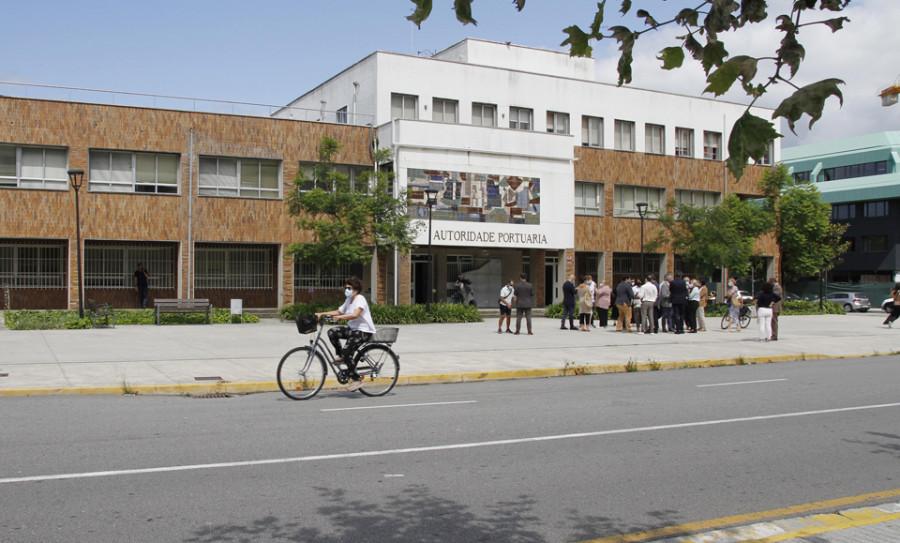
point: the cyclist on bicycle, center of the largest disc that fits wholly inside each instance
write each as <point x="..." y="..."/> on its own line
<point x="355" y="310"/>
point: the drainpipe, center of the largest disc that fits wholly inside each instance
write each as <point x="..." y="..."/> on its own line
<point x="190" y="251"/>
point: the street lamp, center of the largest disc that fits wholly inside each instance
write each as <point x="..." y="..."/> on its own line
<point x="430" y="201"/>
<point x="76" y="177"/>
<point x="642" y="211"/>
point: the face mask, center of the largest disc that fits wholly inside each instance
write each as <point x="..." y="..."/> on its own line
<point x="348" y="292"/>
<point x="730" y="285"/>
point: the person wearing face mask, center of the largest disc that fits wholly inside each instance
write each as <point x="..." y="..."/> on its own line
<point x="734" y="301"/>
<point x="358" y="330"/>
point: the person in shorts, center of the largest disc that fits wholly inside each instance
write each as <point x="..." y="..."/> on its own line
<point x="506" y="300"/>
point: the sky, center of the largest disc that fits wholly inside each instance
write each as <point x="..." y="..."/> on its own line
<point x="272" y="51"/>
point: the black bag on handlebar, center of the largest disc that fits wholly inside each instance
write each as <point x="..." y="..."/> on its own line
<point x="306" y="324"/>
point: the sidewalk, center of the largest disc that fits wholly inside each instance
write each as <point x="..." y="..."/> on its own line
<point x="204" y="359"/>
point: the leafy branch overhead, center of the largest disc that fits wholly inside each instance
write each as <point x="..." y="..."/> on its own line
<point x="703" y="41"/>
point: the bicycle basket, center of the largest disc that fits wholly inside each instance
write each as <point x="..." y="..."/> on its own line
<point x="385" y="335"/>
<point x="306" y="324"/>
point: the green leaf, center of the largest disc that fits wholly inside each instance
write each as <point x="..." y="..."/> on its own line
<point x="463" y="10"/>
<point x="624" y="67"/>
<point x="694" y="47"/>
<point x="791" y="52"/>
<point x="422" y="11"/>
<point x="834" y="5"/>
<point x="713" y="54"/>
<point x="753" y="11"/>
<point x="625" y="36"/>
<point x="520" y="4"/>
<point x="597" y="25"/>
<point x="648" y="19"/>
<point x="836" y="24"/>
<point x="720" y="18"/>
<point x="578" y="42"/>
<point x="626" y="6"/>
<point x="672" y="57"/>
<point x="721" y="80"/>
<point x="687" y="17"/>
<point x="750" y="137"/>
<point x="809" y="100"/>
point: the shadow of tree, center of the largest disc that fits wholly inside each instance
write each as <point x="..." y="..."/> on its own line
<point x="593" y="526"/>
<point x="881" y="447"/>
<point x="412" y="515"/>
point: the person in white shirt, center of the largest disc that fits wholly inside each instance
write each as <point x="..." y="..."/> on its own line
<point x="693" y="304"/>
<point x="648" y="296"/>
<point x="358" y="330"/>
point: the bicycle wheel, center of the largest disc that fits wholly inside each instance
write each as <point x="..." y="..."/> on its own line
<point x="301" y="373"/>
<point x="745" y="318"/>
<point x="379" y="367"/>
<point x="726" y="320"/>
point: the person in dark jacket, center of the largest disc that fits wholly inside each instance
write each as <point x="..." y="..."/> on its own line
<point x="568" y="303"/>
<point x="524" y="303"/>
<point x="678" y="294"/>
<point x="624" y="297"/>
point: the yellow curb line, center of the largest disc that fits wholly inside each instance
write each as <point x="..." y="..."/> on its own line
<point x="830" y="523"/>
<point x="571" y="369"/>
<point x="748" y="518"/>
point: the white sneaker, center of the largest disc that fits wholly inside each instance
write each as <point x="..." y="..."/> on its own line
<point x="355" y="385"/>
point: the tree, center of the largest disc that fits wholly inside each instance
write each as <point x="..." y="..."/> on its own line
<point x="704" y="26"/>
<point x="346" y="221"/>
<point x="807" y="239"/>
<point x="707" y="238"/>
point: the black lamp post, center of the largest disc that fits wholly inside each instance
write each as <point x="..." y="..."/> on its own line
<point x="430" y="201"/>
<point x="642" y="211"/>
<point x="76" y="177"/>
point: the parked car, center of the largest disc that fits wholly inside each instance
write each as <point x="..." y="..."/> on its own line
<point x="887" y="305"/>
<point x="850" y="301"/>
<point x="746" y="296"/>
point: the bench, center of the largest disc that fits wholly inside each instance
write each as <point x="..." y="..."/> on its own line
<point x="188" y="305"/>
<point x="97" y="312"/>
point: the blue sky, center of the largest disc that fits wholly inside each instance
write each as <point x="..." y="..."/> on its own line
<point x="273" y="51"/>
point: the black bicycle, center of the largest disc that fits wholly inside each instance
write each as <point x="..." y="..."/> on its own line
<point x="744" y="317"/>
<point x="302" y="371"/>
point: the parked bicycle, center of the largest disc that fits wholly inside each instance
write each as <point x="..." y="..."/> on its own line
<point x="744" y="317"/>
<point x="302" y="371"/>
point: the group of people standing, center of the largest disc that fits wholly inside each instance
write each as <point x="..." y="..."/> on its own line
<point x="590" y="298"/>
<point x="521" y="295"/>
<point x="675" y="305"/>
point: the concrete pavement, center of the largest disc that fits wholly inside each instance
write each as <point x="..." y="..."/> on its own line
<point x="204" y="359"/>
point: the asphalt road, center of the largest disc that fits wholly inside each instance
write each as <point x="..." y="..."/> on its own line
<point x="565" y="459"/>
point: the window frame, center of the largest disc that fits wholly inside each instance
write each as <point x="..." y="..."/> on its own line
<point x="692" y="196"/>
<point x="876" y="208"/>
<point x="47" y="270"/>
<point x="587" y="131"/>
<point x="649" y="137"/>
<point x="597" y="207"/>
<point x="482" y="107"/>
<point x="342" y="115"/>
<point x="134" y="185"/>
<point x="240" y="190"/>
<point x="619" y="143"/>
<point x="711" y="152"/>
<point x="654" y="204"/>
<point x="554" y="118"/>
<point x="19" y="181"/>
<point x="229" y="276"/>
<point x="518" y="123"/>
<point x="684" y="142"/>
<point x="405" y="106"/>
<point x="443" y="103"/>
<point x="868" y="242"/>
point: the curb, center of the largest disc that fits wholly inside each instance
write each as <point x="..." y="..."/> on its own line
<point x="224" y="388"/>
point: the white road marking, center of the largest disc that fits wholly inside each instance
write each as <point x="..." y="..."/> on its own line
<point x="397" y="405"/>
<point x="433" y="448"/>
<point x="741" y="383"/>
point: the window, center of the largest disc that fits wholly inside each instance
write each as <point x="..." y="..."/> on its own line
<point x="588" y="198"/>
<point x="484" y="114"/>
<point x="655" y="139"/>
<point x="444" y="111"/>
<point x="624" y="135"/>
<point x="520" y="118"/>
<point x="697" y="198"/>
<point x="557" y="123"/>
<point x="627" y="196"/>
<point x="684" y="142"/>
<point x="843" y="212"/>
<point x="110" y="266"/>
<point x="357" y="177"/>
<point x="33" y="265"/>
<point x="309" y="275"/>
<point x="33" y="168"/>
<point x="853" y="170"/>
<point x="118" y="171"/>
<point x="875" y="209"/>
<point x="233" y="268"/>
<point x="342" y="115"/>
<point x="768" y="158"/>
<point x="244" y="177"/>
<point x="802" y="177"/>
<point x="591" y="131"/>
<point x="712" y="145"/>
<point x="404" y="106"/>
<point x="873" y="244"/>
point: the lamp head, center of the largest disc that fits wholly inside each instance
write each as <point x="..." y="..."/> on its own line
<point x="642" y="208"/>
<point x="431" y="196"/>
<point x="76" y="178"/>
